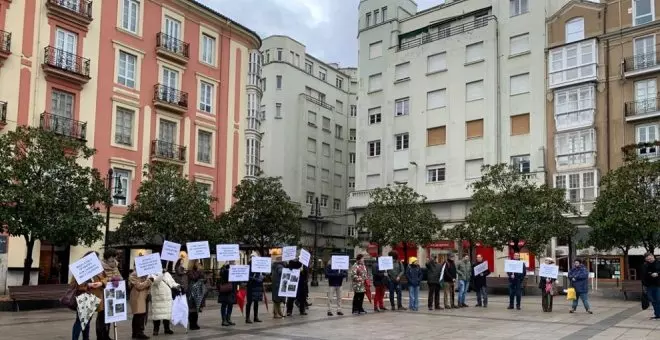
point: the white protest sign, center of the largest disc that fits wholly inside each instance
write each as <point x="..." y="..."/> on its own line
<point x="115" y="302"/>
<point x="227" y="252"/>
<point x="86" y="268"/>
<point x="148" y="264"/>
<point x="480" y="268"/>
<point x="198" y="250"/>
<point x="239" y="273"/>
<point x="261" y="264"/>
<point x="549" y="270"/>
<point x="339" y="262"/>
<point x="289" y="283"/>
<point x="305" y="257"/>
<point x="385" y="263"/>
<point x="171" y="251"/>
<point x="513" y="266"/>
<point x="289" y="253"/>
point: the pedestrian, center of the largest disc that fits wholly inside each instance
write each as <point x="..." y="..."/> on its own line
<point x="515" y="284"/>
<point x="449" y="277"/>
<point x="578" y="276"/>
<point x="480" y="284"/>
<point x="433" y="269"/>
<point x="395" y="275"/>
<point x="414" y="275"/>
<point x="180" y="273"/>
<point x="111" y="270"/>
<point x="651" y="280"/>
<point x="359" y="279"/>
<point x="94" y="286"/>
<point x="380" y="279"/>
<point x="140" y="288"/>
<point x="464" y="275"/>
<point x="546" y="285"/>
<point x="161" y="300"/>
<point x="226" y="294"/>
<point x="335" y="279"/>
<point x="301" y="295"/>
<point x="195" y="293"/>
<point x="276" y="272"/>
<point x="254" y="294"/>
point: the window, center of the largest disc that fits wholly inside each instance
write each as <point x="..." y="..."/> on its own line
<point x="124" y="177"/>
<point x="519" y="44"/>
<point x="574" y="107"/>
<point x="474" y="90"/>
<point x="401" y="141"/>
<point x="574" y="30"/>
<point x="353" y="110"/>
<point x="326" y="124"/>
<point x="279" y="54"/>
<point x="267" y="56"/>
<point x="324" y="201"/>
<point x="436" y="136"/>
<point x="309" y="198"/>
<point x="297" y="60"/>
<point x="352" y="134"/>
<point x="127" y="69"/>
<point x="339" y="106"/>
<point x="647" y="134"/>
<point x="373" y="148"/>
<point x="644" y="52"/>
<point x="645" y="95"/>
<point x="401" y="107"/>
<point x="339" y="82"/>
<point x="278" y="82"/>
<point x="124" y="126"/>
<point x="208" y="49"/>
<point x="374" y="115"/>
<point x="643" y="12"/>
<point x="351" y="157"/>
<point x="474" y="128"/>
<point x="576" y="62"/>
<point x="311" y="172"/>
<point x="293" y="59"/>
<point x="384" y="13"/>
<point x="338" y="181"/>
<point x="474" y="52"/>
<point x="130" y="14"/>
<point x="436" y="62"/>
<point x="336" y="204"/>
<point x="205" y="97"/>
<point x="401" y="71"/>
<point x="351" y="182"/>
<point x="325" y="148"/>
<point x="519" y="84"/>
<point x="339" y="132"/>
<point x="435" y="173"/>
<point x="521" y="163"/>
<point x="325" y="175"/>
<point x="263" y="84"/>
<point x="579" y="186"/>
<point x="339" y="157"/>
<point x="204" y="140"/>
<point x="473" y="168"/>
<point x="204" y="189"/>
<point x="322" y="74"/>
<point x="62" y="106"/>
<point x="368" y="20"/>
<point x="311" y="145"/>
<point x="436" y="99"/>
<point x="278" y="110"/>
<point x="575" y="148"/>
<point x="518" y="7"/>
<point x="520" y="124"/>
<point x="375" y="82"/>
<point x="309" y="66"/>
<point x="373" y="181"/>
<point x="311" y="118"/>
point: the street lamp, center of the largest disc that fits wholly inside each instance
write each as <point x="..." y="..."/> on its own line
<point x="118" y="195"/>
<point x="316" y="217"/>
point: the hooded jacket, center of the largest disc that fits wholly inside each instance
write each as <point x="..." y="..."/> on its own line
<point x="414" y="275"/>
<point x="579" y="278"/>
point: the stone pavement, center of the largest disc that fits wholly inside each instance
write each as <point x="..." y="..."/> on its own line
<point x="612" y="319"/>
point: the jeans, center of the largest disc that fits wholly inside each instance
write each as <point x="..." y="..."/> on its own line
<point x="585" y="301"/>
<point x="654" y="297"/>
<point x="395" y="287"/>
<point x="380" y="296"/>
<point x="482" y="296"/>
<point x="462" y="291"/>
<point x="336" y="291"/>
<point x="225" y="311"/>
<point x="515" y="291"/>
<point x="358" y="300"/>
<point x="434" y="295"/>
<point x="413" y="295"/>
<point x="77" y="329"/>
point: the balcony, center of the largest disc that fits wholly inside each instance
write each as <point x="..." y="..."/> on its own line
<point x="3" y="114"/>
<point x="358" y="199"/>
<point x="427" y="37"/>
<point x="77" y="12"/>
<point x="643" y="109"/>
<point x="641" y="64"/>
<point x="170" y="99"/>
<point x="648" y="150"/>
<point x="63" y="126"/>
<point x="67" y="66"/>
<point x="576" y="160"/>
<point x="172" y="48"/>
<point x="5" y="46"/>
<point x="318" y="102"/>
<point x="166" y="151"/>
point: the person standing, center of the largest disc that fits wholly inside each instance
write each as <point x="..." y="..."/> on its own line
<point x="161" y="300"/>
<point x="651" y="280"/>
<point x="254" y="294"/>
<point x="195" y="294"/>
<point x="464" y="273"/>
<point x="480" y="284"/>
<point x="546" y="285"/>
<point x="180" y="273"/>
<point x="414" y="275"/>
<point x="335" y="280"/>
<point x="515" y="284"/>
<point x="395" y="275"/>
<point x="276" y="271"/>
<point x="111" y="270"/>
<point x="95" y="286"/>
<point x="138" y="301"/>
<point x="226" y="294"/>
<point x="301" y="295"/>
<point x="449" y="279"/>
<point x="380" y="281"/>
<point x="579" y="278"/>
<point x="359" y="279"/>
<point x="433" y="269"/>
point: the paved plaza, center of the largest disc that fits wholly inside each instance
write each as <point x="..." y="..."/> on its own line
<point x="613" y="319"/>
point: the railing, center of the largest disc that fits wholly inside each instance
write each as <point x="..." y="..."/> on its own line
<point x="641" y="61"/>
<point x="3" y="112"/>
<point x="173" y="44"/>
<point x="318" y="102"/>
<point x="641" y="107"/>
<point x="5" y="41"/>
<point x="578" y="158"/>
<point x="446" y="32"/>
<point x="66" y="61"/>
<point x="63" y="126"/>
<point x="79" y="7"/>
<point x="163" y="149"/>
<point x="170" y="95"/>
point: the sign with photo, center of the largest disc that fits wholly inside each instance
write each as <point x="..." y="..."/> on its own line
<point x="115" y="302"/>
<point x="289" y="283"/>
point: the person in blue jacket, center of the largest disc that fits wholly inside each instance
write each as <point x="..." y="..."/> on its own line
<point x="335" y="280"/>
<point x="254" y="294"/>
<point x="414" y="275"/>
<point x="579" y="278"/>
<point x="515" y="284"/>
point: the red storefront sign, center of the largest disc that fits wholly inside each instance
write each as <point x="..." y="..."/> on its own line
<point x="442" y="245"/>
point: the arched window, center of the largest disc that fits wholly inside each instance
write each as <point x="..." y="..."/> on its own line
<point x="574" y="29"/>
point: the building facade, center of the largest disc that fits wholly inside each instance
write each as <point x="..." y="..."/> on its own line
<point x="309" y="111"/>
<point x="172" y="88"/>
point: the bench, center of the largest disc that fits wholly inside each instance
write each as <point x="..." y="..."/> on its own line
<point x="631" y="286"/>
<point x="36" y="293"/>
<point x="501" y="283"/>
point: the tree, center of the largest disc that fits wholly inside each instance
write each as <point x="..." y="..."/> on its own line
<point x="462" y="232"/>
<point x="263" y="215"/>
<point x="169" y="206"/>
<point x="46" y="193"/>
<point x="509" y="208"/>
<point x="398" y="214"/>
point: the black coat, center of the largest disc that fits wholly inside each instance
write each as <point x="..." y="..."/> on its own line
<point x="229" y="297"/>
<point x="480" y="280"/>
<point x="255" y="287"/>
<point x="647" y="270"/>
<point x="450" y="271"/>
<point x="302" y="283"/>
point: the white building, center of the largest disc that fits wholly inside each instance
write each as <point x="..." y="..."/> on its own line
<point x="309" y="109"/>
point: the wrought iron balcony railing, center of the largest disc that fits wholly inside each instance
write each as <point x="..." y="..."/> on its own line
<point x="66" y="61"/>
<point x="318" y="102"/>
<point x="167" y="150"/>
<point x="642" y="61"/>
<point x="3" y="112"/>
<point x="170" y="95"/>
<point x="641" y="107"/>
<point x="63" y="126"/>
<point x="447" y="32"/>
<point x="5" y="42"/>
<point x="173" y="45"/>
<point x="82" y="8"/>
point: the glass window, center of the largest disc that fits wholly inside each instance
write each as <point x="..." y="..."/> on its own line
<point x="574" y="30"/>
<point x="126" y="69"/>
<point x="208" y="49"/>
<point x="124" y="126"/>
<point x="435" y="173"/>
<point x="518" y="7"/>
<point x="130" y="13"/>
<point x="373" y="148"/>
<point x="402" y="107"/>
<point x="204" y="139"/>
<point x="205" y="97"/>
<point x="121" y="193"/>
<point x="643" y="11"/>
<point x="402" y="141"/>
<point x="521" y="163"/>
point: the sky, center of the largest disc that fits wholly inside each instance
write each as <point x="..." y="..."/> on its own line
<point x="328" y="28"/>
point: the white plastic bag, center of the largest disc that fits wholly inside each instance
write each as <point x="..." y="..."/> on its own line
<point x="180" y="311"/>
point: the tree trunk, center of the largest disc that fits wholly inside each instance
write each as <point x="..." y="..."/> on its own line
<point x="472" y="250"/>
<point x="516" y="247"/>
<point x="27" y="264"/>
<point x="626" y="263"/>
<point x="405" y="255"/>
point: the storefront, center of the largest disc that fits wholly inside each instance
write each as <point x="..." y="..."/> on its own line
<point x="487" y="253"/>
<point x="410" y="249"/>
<point x="438" y="250"/>
<point x="525" y="255"/>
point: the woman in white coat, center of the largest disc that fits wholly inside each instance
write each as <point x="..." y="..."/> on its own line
<point x="161" y="301"/>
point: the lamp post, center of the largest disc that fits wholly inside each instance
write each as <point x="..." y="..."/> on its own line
<point x="118" y="194"/>
<point x="316" y="217"/>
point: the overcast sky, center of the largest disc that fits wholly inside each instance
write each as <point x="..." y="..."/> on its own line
<point x="327" y="27"/>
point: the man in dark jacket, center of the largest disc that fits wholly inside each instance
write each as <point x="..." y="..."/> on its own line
<point x="651" y="280"/>
<point x="449" y="279"/>
<point x="515" y="284"/>
<point x="479" y="283"/>
<point x="335" y="280"/>
<point x="301" y="294"/>
<point x="433" y="269"/>
<point x="394" y="276"/>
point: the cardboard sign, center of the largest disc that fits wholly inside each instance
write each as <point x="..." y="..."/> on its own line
<point x="289" y="253"/>
<point x="339" y="262"/>
<point x="549" y="270"/>
<point x="385" y="263"/>
<point x="305" y="257"/>
<point x="480" y="268"/>
<point x="513" y="266"/>
<point x="198" y="250"/>
<point x="115" y="308"/>
<point x="86" y="268"/>
<point x="227" y="252"/>
<point x="171" y="251"/>
<point x="261" y="264"/>
<point x="148" y="265"/>
<point x="239" y="273"/>
<point x="289" y="283"/>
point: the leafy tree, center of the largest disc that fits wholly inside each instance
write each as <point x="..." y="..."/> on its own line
<point x="46" y="193"/>
<point x="168" y="206"/>
<point x="398" y="214"/>
<point x="509" y="207"/>
<point x="263" y="215"/>
<point x="462" y="232"/>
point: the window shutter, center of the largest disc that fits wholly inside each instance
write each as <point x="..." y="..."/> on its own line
<point x="436" y="99"/>
<point x="401" y="71"/>
<point x="474" y="90"/>
<point x="474" y="128"/>
<point x="473" y="168"/>
<point x="474" y="52"/>
<point x="519" y="84"/>
<point x="375" y="50"/>
<point x="519" y="44"/>
<point x="375" y="82"/>
<point x="436" y="136"/>
<point x="437" y="62"/>
<point x="520" y="124"/>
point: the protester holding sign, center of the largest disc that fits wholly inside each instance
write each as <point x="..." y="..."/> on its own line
<point x="515" y="283"/>
<point x="95" y="287"/>
<point x="226" y="294"/>
<point x="195" y="293"/>
<point x="276" y="272"/>
<point x="380" y="282"/>
<point x="359" y="278"/>
<point x="335" y="280"/>
<point x="479" y="282"/>
<point x="255" y="293"/>
<point x="546" y="285"/>
<point x="301" y="293"/>
<point x="111" y="269"/>
<point x="138" y="301"/>
<point x="161" y="300"/>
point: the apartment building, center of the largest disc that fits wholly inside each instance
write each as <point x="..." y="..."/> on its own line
<point x="140" y="81"/>
<point x="603" y="69"/>
<point x="309" y="111"/>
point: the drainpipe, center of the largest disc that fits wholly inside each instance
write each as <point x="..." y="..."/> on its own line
<point x="607" y="90"/>
<point x="498" y="119"/>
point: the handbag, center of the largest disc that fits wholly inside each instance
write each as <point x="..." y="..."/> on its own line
<point x="69" y="298"/>
<point x="225" y="287"/>
<point x="570" y="294"/>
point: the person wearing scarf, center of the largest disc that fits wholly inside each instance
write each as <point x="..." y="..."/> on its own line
<point x="195" y="294"/>
<point x="139" y="301"/>
<point x="111" y="270"/>
<point x="94" y="286"/>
